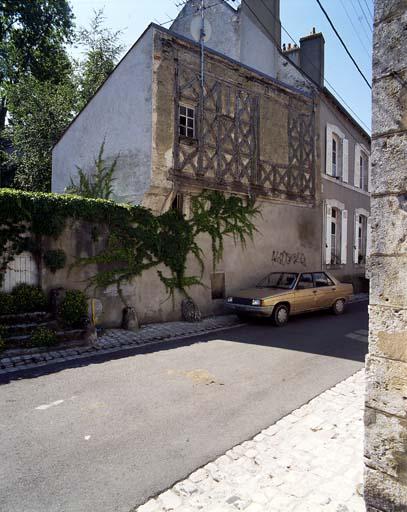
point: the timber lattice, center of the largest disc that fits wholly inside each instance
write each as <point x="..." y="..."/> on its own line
<point x="225" y="152"/>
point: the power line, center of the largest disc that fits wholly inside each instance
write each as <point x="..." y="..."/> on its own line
<point x="368" y="9"/>
<point x="364" y="15"/>
<point x="343" y="44"/>
<point x="359" y="18"/>
<point x="309" y="60"/>
<point x="354" y="28"/>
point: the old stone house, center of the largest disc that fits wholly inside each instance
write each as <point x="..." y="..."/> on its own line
<point x="257" y="126"/>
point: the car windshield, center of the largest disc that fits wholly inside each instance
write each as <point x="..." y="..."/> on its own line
<point x="284" y="280"/>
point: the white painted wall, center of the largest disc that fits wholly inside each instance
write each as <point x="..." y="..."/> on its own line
<point x="257" y="50"/>
<point x="121" y="114"/>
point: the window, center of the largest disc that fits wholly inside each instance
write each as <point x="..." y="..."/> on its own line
<point x="283" y="280"/>
<point x="321" y="279"/>
<point x="305" y="282"/>
<point x="336" y="156"/>
<point x="362" y="238"/>
<point x="364" y="170"/>
<point x="178" y="203"/>
<point x="335" y="237"/>
<point x="186" y="121"/>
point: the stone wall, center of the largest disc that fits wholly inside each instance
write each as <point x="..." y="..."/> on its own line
<point x="386" y="394"/>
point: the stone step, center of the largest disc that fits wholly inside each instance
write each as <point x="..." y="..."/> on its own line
<point x="27" y="328"/>
<point x="22" y="318"/>
<point x="22" y="340"/>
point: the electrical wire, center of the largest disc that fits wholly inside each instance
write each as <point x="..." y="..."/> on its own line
<point x="368" y="9"/>
<point x="364" y="15"/>
<point x="343" y="44"/>
<point x="354" y="28"/>
<point x="362" y="25"/>
<point x="308" y="60"/>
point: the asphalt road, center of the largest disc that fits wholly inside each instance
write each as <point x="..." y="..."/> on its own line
<point x="106" y="435"/>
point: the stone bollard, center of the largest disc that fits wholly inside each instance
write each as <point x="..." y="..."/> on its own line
<point x="190" y="311"/>
<point x="130" y="320"/>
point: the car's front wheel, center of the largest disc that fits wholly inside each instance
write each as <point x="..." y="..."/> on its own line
<point x="280" y="315"/>
<point x="339" y="307"/>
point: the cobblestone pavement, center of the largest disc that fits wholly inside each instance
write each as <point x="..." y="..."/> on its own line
<point x="118" y="339"/>
<point x="309" y="461"/>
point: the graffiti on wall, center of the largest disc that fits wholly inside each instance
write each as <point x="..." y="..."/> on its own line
<point x="289" y="258"/>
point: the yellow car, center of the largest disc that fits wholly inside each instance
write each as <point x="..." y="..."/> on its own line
<point x="281" y="294"/>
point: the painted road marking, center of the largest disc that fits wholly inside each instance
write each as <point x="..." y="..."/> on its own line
<point x="357" y="337"/>
<point x="87" y="438"/>
<point x="47" y="406"/>
<point x="364" y="332"/>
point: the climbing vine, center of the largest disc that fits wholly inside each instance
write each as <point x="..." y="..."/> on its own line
<point x="136" y="239"/>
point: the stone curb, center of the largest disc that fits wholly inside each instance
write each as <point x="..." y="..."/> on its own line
<point x="115" y="340"/>
<point x="125" y="341"/>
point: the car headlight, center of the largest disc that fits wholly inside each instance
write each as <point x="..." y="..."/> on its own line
<point x="229" y="299"/>
<point x="256" y="302"/>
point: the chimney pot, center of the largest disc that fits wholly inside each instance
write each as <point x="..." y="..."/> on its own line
<point x="284" y="48"/>
<point x="313" y="30"/>
<point x="289" y="46"/>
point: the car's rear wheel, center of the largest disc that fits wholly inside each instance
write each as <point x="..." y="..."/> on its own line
<point x="339" y="307"/>
<point x="280" y="315"/>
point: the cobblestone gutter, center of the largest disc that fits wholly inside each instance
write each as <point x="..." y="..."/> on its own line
<point x="309" y="461"/>
<point x="117" y="339"/>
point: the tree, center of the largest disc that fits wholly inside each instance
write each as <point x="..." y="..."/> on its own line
<point x="32" y="39"/>
<point x="40" y="112"/>
<point x="102" y="49"/>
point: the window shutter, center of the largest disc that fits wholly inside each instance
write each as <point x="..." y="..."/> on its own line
<point x="328" y="220"/>
<point x="328" y="163"/>
<point x="356" y="176"/>
<point x="369" y="174"/>
<point x="345" y="160"/>
<point x="369" y="237"/>
<point x="356" y="240"/>
<point x="344" y="236"/>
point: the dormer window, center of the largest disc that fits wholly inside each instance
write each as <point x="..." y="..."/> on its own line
<point x="186" y="121"/>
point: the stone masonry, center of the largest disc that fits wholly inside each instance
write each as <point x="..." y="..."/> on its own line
<point x="386" y="371"/>
<point x="309" y="461"/>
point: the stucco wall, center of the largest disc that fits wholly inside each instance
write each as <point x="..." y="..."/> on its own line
<point x="224" y="21"/>
<point x="273" y="249"/>
<point x="121" y="115"/>
<point x="386" y="369"/>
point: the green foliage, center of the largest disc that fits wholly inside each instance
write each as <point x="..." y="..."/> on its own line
<point x="97" y="185"/>
<point x="40" y="112"/>
<point x="7" y="306"/>
<point x="102" y="49"/>
<point x="43" y="337"/>
<point x="137" y="240"/>
<point x="28" y="298"/>
<point x="73" y="309"/>
<point x="55" y="259"/>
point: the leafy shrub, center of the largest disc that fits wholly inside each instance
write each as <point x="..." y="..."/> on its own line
<point x="43" y="337"/>
<point x="55" y="259"/>
<point x="28" y="298"/>
<point x="2" y="335"/>
<point x="7" y="306"/>
<point x="73" y="310"/>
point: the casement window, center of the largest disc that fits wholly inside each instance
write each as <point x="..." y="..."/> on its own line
<point x="186" y="121"/>
<point x="337" y="156"/>
<point x="361" y="241"/>
<point x="362" y="168"/>
<point x="336" y="233"/>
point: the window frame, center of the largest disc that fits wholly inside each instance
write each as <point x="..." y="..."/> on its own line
<point x="299" y="280"/>
<point x="189" y="131"/>
<point x="336" y="247"/>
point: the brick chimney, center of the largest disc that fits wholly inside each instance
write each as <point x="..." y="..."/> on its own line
<point x="312" y="56"/>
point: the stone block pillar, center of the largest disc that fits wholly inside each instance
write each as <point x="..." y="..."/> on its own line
<point x="386" y="369"/>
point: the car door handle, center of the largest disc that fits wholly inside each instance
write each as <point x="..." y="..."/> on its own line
<point x="314" y="292"/>
<point x="333" y="289"/>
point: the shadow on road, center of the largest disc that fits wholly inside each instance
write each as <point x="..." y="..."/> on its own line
<point x="316" y="333"/>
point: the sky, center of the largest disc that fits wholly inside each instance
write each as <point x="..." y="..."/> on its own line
<point x="352" y="19"/>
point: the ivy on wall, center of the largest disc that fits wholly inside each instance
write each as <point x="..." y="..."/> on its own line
<point x="137" y="240"/>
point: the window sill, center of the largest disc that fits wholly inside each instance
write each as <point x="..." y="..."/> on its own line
<point x="339" y="181"/>
<point x="190" y="141"/>
<point x="335" y="266"/>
